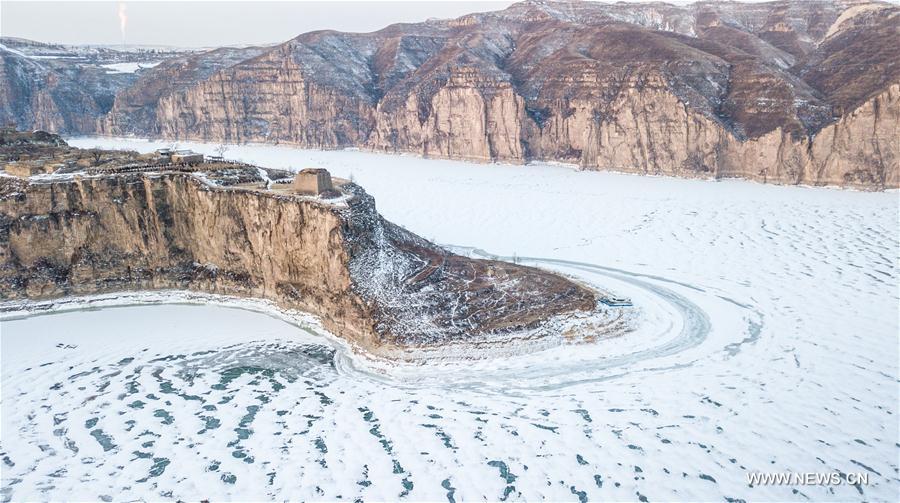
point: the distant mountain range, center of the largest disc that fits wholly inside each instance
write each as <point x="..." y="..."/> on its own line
<point x="783" y="92"/>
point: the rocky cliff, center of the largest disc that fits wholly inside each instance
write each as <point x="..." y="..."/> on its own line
<point x="35" y="96"/>
<point x="369" y="281"/>
<point x="61" y="88"/>
<point x="783" y="92"/>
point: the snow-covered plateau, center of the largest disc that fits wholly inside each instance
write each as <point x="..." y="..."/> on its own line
<point x="767" y="343"/>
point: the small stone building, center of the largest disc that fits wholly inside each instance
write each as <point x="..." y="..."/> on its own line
<point x="186" y="157"/>
<point x="312" y="181"/>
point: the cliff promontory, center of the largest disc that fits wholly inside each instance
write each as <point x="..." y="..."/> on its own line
<point x="129" y="222"/>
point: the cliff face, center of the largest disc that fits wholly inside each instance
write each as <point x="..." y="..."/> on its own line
<point x="263" y="99"/>
<point x="136" y="107"/>
<point x="368" y="280"/>
<point x="862" y="148"/>
<point x="58" y="88"/>
<point x="859" y="150"/>
<point x="469" y="118"/>
<point x="33" y="96"/>
<point x="115" y="233"/>
<point x="710" y="89"/>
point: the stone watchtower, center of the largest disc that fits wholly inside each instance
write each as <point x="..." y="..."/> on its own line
<point x="312" y="181"/>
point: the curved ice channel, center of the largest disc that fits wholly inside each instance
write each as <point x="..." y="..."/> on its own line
<point x="185" y="399"/>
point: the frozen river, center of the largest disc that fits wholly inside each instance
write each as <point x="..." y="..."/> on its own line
<point x="770" y="346"/>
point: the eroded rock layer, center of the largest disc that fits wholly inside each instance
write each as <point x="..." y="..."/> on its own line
<point x="782" y="92"/>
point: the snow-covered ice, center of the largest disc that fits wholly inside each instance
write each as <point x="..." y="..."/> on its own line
<point x="770" y="344"/>
<point x="129" y="67"/>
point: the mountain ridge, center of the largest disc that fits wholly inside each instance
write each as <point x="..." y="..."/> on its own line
<point x="708" y="89"/>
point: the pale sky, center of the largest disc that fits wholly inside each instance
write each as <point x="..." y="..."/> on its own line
<point x="212" y="23"/>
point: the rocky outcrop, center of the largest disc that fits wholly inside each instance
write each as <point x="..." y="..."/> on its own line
<point x="65" y="95"/>
<point x="470" y="118"/>
<point x="33" y="96"/>
<point x="138" y="106"/>
<point x="265" y="99"/>
<point x="102" y="234"/>
<point x="863" y="147"/>
<point x="369" y="281"/>
<point x="711" y="89"/>
<point x="859" y="150"/>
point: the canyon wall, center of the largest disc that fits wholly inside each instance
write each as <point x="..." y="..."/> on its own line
<point x="782" y="92"/>
<point x="470" y="118"/>
<point x="646" y="130"/>
<point x="267" y="99"/>
<point x="863" y="148"/>
<point x="33" y="96"/>
<point x="134" y="232"/>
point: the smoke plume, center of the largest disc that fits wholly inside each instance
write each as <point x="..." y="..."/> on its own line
<point x="123" y="20"/>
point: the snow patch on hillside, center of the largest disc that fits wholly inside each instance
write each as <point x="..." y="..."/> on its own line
<point x="129" y="67"/>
